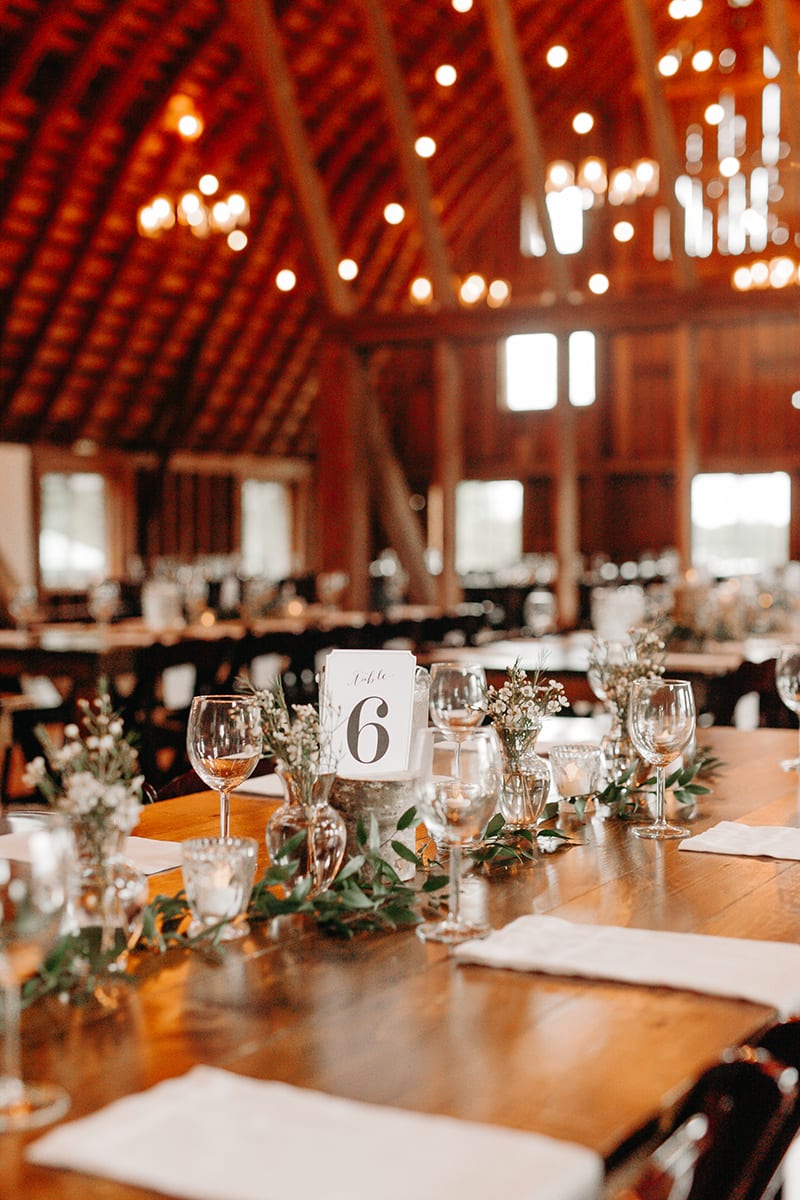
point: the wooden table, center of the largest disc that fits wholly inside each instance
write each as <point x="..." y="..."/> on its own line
<point x="386" y="1019"/>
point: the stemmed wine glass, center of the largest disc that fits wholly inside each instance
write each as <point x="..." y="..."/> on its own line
<point x="787" y="680"/>
<point x="457" y="693"/>
<point x="661" y="721"/>
<point x="223" y="739"/>
<point x="457" y="788"/>
<point x="34" y="895"/>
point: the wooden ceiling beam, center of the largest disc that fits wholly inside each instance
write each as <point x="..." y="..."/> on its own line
<point x="527" y="137"/>
<point x="261" y="44"/>
<point x="656" y="310"/>
<point x="414" y="172"/>
<point x="661" y="132"/>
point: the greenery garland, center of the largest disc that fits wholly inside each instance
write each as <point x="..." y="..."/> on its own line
<point x="367" y="895"/>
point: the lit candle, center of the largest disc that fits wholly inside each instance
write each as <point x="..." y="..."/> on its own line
<point x="216" y="896"/>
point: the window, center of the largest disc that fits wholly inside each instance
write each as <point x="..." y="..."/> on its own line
<point x="582" y="371"/>
<point x="73" y="548"/>
<point x="530" y="371"/>
<point x="488" y="525"/>
<point x="266" y="529"/>
<point x="740" y="523"/>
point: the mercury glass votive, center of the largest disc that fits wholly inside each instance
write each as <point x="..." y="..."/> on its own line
<point x="577" y="770"/>
<point x="218" y="874"/>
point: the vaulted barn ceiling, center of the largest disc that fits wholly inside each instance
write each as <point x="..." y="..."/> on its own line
<point x="309" y="107"/>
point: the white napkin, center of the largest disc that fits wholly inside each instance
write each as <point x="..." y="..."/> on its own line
<point x="148" y="854"/>
<point x="214" y="1135"/>
<point x="729" y="837"/>
<point x="262" y="785"/>
<point x="764" y="972"/>
<point x="151" y="855"/>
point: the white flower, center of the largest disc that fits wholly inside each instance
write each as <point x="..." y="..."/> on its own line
<point x="34" y="772"/>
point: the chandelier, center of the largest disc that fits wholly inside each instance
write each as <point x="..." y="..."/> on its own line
<point x="201" y="210"/>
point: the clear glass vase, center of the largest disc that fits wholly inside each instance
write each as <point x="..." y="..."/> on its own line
<point x="307" y="832"/>
<point x="110" y="896"/>
<point x="526" y="783"/>
<point x="617" y="747"/>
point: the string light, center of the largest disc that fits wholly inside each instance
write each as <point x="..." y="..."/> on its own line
<point x="285" y="280"/>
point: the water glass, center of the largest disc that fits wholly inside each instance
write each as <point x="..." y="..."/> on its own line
<point x="457" y="789"/>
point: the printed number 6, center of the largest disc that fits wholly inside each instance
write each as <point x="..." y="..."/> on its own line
<point x="355" y="729"/>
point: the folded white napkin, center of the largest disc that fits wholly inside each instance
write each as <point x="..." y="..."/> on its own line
<point x="214" y="1135"/>
<point x="729" y="837"/>
<point x="151" y="855"/>
<point x="148" y="854"/>
<point x="262" y="785"/>
<point x="764" y="972"/>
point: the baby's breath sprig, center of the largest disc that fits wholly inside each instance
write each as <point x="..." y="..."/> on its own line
<point x="518" y="708"/>
<point x="94" y="776"/>
<point x="295" y="737"/>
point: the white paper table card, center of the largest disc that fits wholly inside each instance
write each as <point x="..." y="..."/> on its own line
<point x="367" y="703"/>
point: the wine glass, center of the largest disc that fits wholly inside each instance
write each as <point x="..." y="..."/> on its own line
<point x="103" y="600"/>
<point x="456" y="696"/>
<point x="787" y="680"/>
<point x="661" y="720"/>
<point x="457" y="789"/>
<point x="223" y="739"/>
<point x="34" y="895"/>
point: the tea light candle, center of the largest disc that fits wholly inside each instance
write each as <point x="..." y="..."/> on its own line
<point x="216" y="896"/>
<point x="575" y="780"/>
<point x="576" y="769"/>
<point x="218" y="876"/>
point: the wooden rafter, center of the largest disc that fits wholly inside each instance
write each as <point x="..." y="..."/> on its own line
<point x="661" y="132"/>
<point x="532" y="160"/>
<point x="415" y="175"/>
<point x="261" y="44"/>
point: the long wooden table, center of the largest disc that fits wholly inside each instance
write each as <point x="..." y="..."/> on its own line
<point x="386" y="1019"/>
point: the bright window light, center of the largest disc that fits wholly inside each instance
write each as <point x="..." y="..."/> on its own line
<point x="740" y="523"/>
<point x="72" y="537"/>
<point x="488" y="525"/>
<point x="266" y="529"/>
<point x="531" y="371"/>
<point x="582" y="374"/>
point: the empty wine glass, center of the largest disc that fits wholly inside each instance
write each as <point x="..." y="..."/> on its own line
<point x="457" y="787"/>
<point x="787" y="680"/>
<point x="103" y="600"/>
<point x="223" y="739"/>
<point x="661" y="720"/>
<point x="456" y="696"/>
<point x="34" y="894"/>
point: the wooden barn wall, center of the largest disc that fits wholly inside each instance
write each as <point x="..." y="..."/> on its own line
<point x="627" y="442"/>
<point x="183" y="514"/>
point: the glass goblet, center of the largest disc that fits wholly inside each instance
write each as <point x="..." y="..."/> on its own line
<point x="457" y="692"/>
<point x="34" y="895"/>
<point x="787" y="681"/>
<point x="457" y="788"/>
<point x="661" y="721"/>
<point x="223" y="739"/>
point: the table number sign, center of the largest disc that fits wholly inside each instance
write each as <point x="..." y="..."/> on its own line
<point x="368" y="703"/>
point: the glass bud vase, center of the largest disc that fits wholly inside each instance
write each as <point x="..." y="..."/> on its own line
<point x="306" y="833"/>
<point x="526" y="784"/>
<point x="110" y="896"/>
<point x="617" y="747"/>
